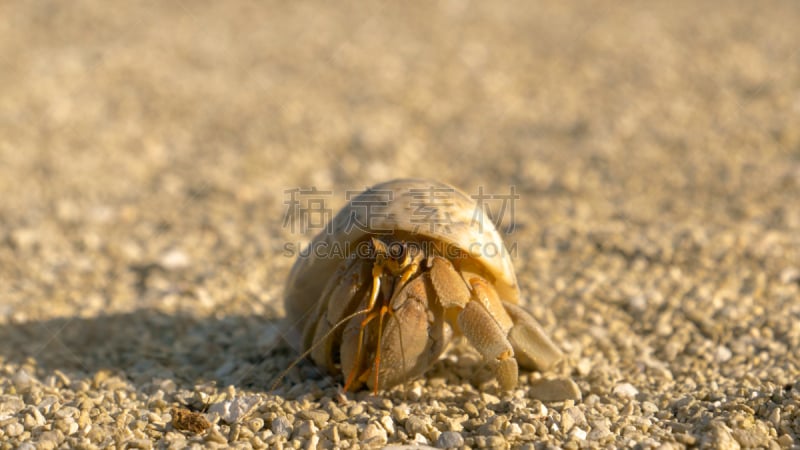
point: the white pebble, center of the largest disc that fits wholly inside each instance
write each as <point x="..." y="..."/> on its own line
<point x="388" y="424"/>
<point x="579" y="434"/>
<point x="723" y="354"/>
<point x="22" y="379"/>
<point x="420" y="439"/>
<point x="513" y="430"/>
<point x="373" y="434"/>
<point x="312" y="443"/>
<point x="416" y="393"/>
<point x="625" y="390"/>
<point x="790" y="275"/>
<point x="281" y="427"/>
<point x="174" y="259"/>
<point x="638" y="303"/>
<point x="233" y="411"/>
<point x="489" y="399"/>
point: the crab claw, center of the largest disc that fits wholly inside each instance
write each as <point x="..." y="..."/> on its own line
<point x="534" y="350"/>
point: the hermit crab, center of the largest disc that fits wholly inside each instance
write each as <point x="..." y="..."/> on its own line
<point x="401" y="269"/>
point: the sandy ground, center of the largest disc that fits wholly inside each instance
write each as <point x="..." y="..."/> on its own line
<point x="147" y="150"/>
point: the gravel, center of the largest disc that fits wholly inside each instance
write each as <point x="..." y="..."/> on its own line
<point x="147" y="157"/>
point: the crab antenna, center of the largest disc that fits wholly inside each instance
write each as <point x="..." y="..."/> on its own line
<point x="319" y="342"/>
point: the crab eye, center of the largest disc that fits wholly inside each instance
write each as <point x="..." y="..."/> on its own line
<point x="397" y="251"/>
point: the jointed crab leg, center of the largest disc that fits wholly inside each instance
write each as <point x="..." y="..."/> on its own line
<point x="377" y="271"/>
<point x="384" y="310"/>
<point x="407" y="269"/>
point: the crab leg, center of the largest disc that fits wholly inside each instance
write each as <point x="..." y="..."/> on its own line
<point x="533" y="348"/>
<point x="377" y="271"/>
<point x="405" y="270"/>
<point x="485" y="334"/>
<point x="384" y="310"/>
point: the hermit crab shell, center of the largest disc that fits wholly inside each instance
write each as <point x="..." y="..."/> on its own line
<point x="397" y="206"/>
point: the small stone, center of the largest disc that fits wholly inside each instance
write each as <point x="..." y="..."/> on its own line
<point x="318" y="416"/>
<point x="575" y="415"/>
<point x="775" y="417"/>
<point x="306" y="429"/>
<point x="567" y="422"/>
<point x="556" y="390"/>
<point x="722" y="354"/>
<point x="14" y="429"/>
<point x="215" y="436"/>
<point x="538" y="409"/>
<point x="400" y="413"/>
<point x="67" y="411"/>
<point x="336" y="413"/>
<point x="312" y="443"/>
<point x="420" y="439"/>
<point x="281" y="427"/>
<point x="649" y="407"/>
<point x="48" y="405"/>
<point x="721" y="436"/>
<point x="10" y="405"/>
<point x="142" y="444"/>
<point x="415" y="393"/>
<point x="513" y="430"/>
<point x="599" y="432"/>
<point x="49" y="440"/>
<point x="348" y="430"/>
<point x="578" y="434"/>
<point x="257" y="442"/>
<point x="233" y="411"/>
<point x="24" y="238"/>
<point x="174" y="259"/>
<point x="373" y="435"/>
<point x="22" y="380"/>
<point x="495" y="441"/>
<point x="37" y="416"/>
<point x="235" y="432"/>
<point x="356" y="410"/>
<point x="790" y="275"/>
<point x="64" y="425"/>
<point x="416" y="425"/>
<point x="626" y="390"/>
<point x="471" y="409"/>
<point x="450" y="439"/>
<point x="584" y="366"/>
<point x="256" y="424"/>
<point x="529" y="429"/>
<point x="755" y="437"/>
<point x="489" y="399"/>
<point x="388" y="424"/>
